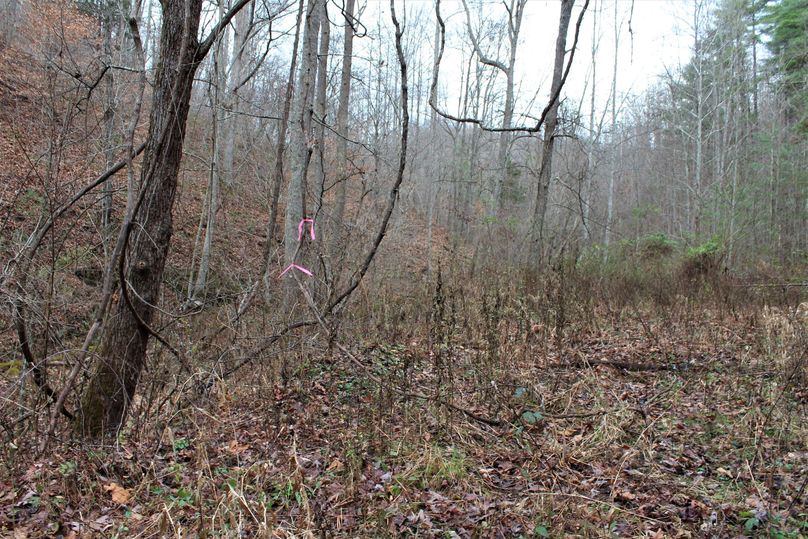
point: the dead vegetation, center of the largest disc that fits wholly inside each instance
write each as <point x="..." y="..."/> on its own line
<point x="679" y="419"/>
<point x="647" y="393"/>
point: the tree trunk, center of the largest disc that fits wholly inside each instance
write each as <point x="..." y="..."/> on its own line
<point x="700" y="105"/>
<point x="590" y="147"/>
<point x="607" y="234"/>
<point x="280" y="150"/>
<point x="551" y="122"/>
<point x="218" y="81"/>
<point x="122" y="353"/>
<point x="109" y="121"/>
<point x="335" y="230"/>
<point x="301" y="131"/>
<point x="320" y="110"/>
<point x="232" y="121"/>
<point x="218" y="89"/>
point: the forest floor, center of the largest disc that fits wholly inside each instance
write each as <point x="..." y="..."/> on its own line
<point x="687" y="420"/>
<point x="643" y="428"/>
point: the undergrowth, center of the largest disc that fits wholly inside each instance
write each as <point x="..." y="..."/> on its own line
<point x="620" y="401"/>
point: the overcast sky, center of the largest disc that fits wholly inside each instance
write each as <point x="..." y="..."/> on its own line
<point x="660" y="38"/>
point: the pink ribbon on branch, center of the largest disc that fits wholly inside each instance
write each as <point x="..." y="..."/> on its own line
<point x="303" y="224"/>
<point x="295" y="266"/>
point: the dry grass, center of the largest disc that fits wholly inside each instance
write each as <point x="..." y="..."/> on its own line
<point x="677" y="422"/>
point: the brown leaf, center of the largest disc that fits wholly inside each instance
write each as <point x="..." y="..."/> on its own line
<point x="102" y="523"/>
<point x="237" y="448"/>
<point x="119" y="494"/>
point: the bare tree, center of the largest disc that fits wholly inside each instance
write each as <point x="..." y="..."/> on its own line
<point x="550" y="125"/>
<point x="302" y="142"/>
<point x="515" y="9"/>
<point x="280" y="149"/>
<point x="238" y="75"/>
<point x="125" y="337"/>
<point x="217" y="85"/>
<point x="320" y="109"/>
<point x="343" y="109"/>
<point x="607" y="234"/>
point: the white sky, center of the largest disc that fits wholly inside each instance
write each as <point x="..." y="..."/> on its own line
<point x="660" y="38"/>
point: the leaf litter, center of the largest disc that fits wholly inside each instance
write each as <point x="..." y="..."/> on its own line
<point x="704" y="449"/>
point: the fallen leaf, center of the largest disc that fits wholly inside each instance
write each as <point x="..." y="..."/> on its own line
<point x="101" y="523"/>
<point x="119" y="494"/>
<point x="237" y="448"/>
<point x="724" y="472"/>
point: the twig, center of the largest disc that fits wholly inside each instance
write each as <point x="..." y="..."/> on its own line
<point x="771" y="285"/>
<point x="604" y="502"/>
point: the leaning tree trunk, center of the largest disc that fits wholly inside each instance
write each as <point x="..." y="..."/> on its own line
<point x="551" y="122"/>
<point x="122" y="353"/>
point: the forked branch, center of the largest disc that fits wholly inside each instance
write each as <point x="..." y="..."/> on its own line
<point x="433" y="94"/>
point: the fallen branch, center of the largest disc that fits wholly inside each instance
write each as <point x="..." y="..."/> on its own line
<point x="624" y="365"/>
<point x="772" y="285"/>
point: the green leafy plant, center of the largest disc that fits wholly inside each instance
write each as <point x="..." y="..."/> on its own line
<point x="531" y="417"/>
<point x="658" y="245"/>
<point x="181" y="443"/>
<point x="183" y="497"/>
<point x="67" y="468"/>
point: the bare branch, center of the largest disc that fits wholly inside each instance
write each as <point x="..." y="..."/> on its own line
<point x="433" y="95"/>
<point x="402" y="164"/>
<point x="483" y="58"/>
<point x="207" y="43"/>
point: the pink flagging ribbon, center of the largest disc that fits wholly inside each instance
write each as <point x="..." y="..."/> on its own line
<point x="300" y="229"/>
<point x="295" y="266"/>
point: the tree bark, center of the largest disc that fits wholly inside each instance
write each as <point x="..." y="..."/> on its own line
<point x="122" y="353"/>
<point x="107" y="18"/>
<point x="342" y="130"/>
<point x="551" y="122"/>
<point x="280" y="150"/>
<point x="607" y="234"/>
<point x="593" y="138"/>
<point x="218" y="81"/>
<point x="301" y="132"/>
<point x="320" y="109"/>
<point x="235" y="73"/>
